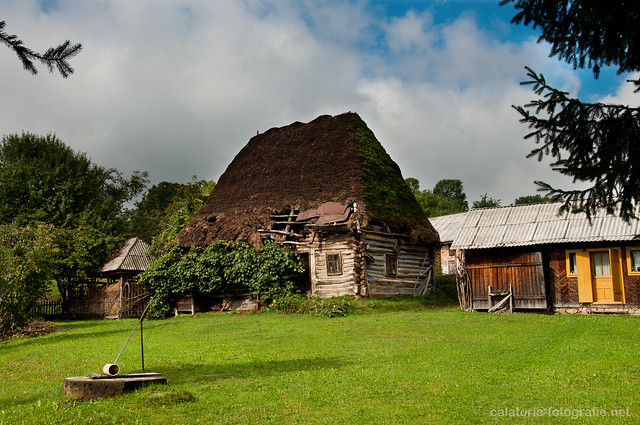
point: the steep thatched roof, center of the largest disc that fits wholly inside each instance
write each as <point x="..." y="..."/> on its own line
<point x="302" y="166"/>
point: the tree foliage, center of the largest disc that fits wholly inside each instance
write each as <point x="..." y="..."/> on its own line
<point x="452" y="189"/>
<point x="26" y="262"/>
<point x="594" y="143"/>
<point x="486" y="202"/>
<point x="222" y="268"/>
<point x="44" y="181"/>
<point x="447" y="197"/>
<point x="167" y="207"/>
<point x="532" y="199"/>
<point x="54" y="58"/>
<point x="586" y="33"/>
<point x="591" y="142"/>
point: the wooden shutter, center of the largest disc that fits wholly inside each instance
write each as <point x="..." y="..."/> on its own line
<point x="616" y="275"/>
<point x="585" y="287"/>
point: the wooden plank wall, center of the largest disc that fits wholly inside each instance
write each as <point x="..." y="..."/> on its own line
<point x="410" y="262"/>
<point x="523" y="271"/>
<point x="325" y="285"/>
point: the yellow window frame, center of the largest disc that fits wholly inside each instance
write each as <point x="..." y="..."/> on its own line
<point x="568" y="260"/>
<point x="628" y="250"/>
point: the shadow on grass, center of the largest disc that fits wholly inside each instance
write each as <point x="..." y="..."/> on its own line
<point x="78" y="330"/>
<point x="11" y="401"/>
<point x="204" y="372"/>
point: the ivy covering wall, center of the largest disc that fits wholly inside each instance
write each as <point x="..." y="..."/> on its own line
<point x="222" y="268"/>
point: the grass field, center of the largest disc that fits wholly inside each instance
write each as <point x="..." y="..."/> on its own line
<point x="426" y="365"/>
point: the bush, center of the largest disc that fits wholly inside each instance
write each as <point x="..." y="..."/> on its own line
<point x="25" y="261"/>
<point x="446" y="287"/>
<point x="325" y="307"/>
<point x="222" y="268"/>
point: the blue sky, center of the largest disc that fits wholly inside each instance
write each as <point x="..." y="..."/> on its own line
<point x="177" y="87"/>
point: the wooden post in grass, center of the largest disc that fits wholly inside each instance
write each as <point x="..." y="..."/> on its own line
<point x="142" y="344"/>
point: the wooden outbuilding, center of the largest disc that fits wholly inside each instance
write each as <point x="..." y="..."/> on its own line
<point x="117" y="294"/>
<point x="329" y="190"/>
<point x="545" y="260"/>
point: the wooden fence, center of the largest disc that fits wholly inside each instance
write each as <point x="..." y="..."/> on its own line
<point x="49" y="308"/>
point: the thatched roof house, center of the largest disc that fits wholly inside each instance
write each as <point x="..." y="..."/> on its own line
<point x="328" y="188"/>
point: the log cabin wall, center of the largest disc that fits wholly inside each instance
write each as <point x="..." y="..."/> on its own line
<point x="327" y="280"/>
<point x="412" y="262"/>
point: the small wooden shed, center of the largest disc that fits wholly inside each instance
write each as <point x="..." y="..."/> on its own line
<point x="121" y="296"/>
<point x="329" y="190"/>
<point x="561" y="262"/>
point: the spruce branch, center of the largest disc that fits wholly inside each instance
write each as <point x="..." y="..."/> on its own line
<point x="594" y="143"/>
<point x="54" y="58"/>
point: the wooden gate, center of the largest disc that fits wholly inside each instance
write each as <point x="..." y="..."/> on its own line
<point x="524" y="272"/>
<point x="134" y="298"/>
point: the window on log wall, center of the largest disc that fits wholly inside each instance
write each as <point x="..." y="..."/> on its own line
<point x="334" y="264"/>
<point x="391" y="262"/>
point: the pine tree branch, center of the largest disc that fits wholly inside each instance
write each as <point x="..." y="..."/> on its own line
<point x="594" y="143"/>
<point x="54" y="57"/>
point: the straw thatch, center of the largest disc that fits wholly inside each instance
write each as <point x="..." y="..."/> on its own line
<point x="302" y="166"/>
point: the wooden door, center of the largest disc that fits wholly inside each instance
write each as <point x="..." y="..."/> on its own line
<point x="601" y="278"/>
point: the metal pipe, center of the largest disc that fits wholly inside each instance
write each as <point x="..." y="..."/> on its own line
<point x="113" y="368"/>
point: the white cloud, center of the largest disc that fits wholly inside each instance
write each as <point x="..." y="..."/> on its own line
<point x="625" y="94"/>
<point x="178" y="87"/>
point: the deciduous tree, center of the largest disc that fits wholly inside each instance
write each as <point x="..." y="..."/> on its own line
<point x="486" y="202"/>
<point x="42" y="180"/>
<point x="532" y="199"/>
<point x="447" y="197"/>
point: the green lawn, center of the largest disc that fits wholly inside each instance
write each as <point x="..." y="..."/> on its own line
<point x="436" y="366"/>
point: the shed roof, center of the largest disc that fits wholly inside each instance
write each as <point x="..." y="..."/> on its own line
<point x="448" y="225"/>
<point x="132" y="257"/>
<point x="524" y="225"/>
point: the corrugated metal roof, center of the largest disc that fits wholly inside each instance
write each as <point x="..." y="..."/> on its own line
<point x="448" y="225"/>
<point x="132" y="257"/>
<point x="524" y="225"/>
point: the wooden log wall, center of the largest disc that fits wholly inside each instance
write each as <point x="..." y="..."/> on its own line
<point x="325" y="285"/>
<point x="413" y="262"/>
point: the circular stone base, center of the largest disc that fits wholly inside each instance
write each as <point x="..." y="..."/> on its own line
<point x="98" y="386"/>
